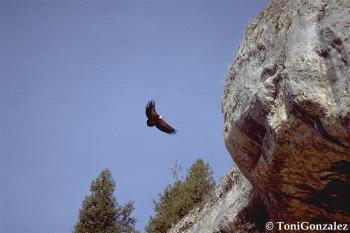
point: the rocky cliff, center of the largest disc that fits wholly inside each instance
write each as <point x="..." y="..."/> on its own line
<point x="286" y="108"/>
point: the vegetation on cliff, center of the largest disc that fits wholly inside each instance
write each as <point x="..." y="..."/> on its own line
<point x="180" y="198"/>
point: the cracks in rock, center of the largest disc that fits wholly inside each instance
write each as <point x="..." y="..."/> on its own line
<point x="342" y="167"/>
<point x="251" y="128"/>
<point x="272" y="77"/>
<point x="322" y="11"/>
<point x="316" y="123"/>
<point x="253" y="122"/>
<point x="336" y="61"/>
<point x="320" y="129"/>
<point x="336" y="69"/>
<point x="261" y="51"/>
<point x="322" y="52"/>
<point x="334" y="195"/>
<point x="254" y="133"/>
<point x="255" y="52"/>
<point x="344" y="61"/>
<point x="336" y="44"/>
<point x="268" y="72"/>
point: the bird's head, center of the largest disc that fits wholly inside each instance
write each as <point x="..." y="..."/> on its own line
<point x="160" y="117"/>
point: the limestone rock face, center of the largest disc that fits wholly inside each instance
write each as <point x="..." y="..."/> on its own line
<point x="286" y="109"/>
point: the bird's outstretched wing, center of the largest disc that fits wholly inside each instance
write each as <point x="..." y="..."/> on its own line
<point x="151" y="110"/>
<point x="165" y="127"/>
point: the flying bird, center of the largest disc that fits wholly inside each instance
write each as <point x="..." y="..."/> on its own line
<point x="157" y="120"/>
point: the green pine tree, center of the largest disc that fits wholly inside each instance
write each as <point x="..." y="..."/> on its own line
<point x="100" y="212"/>
<point x="180" y="198"/>
<point x="199" y="182"/>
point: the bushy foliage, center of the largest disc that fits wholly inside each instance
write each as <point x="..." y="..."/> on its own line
<point x="100" y="212"/>
<point x="181" y="197"/>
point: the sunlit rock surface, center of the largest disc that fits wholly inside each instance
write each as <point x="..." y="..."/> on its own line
<point x="286" y="108"/>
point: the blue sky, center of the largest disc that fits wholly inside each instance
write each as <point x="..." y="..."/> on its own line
<point x="75" y="77"/>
